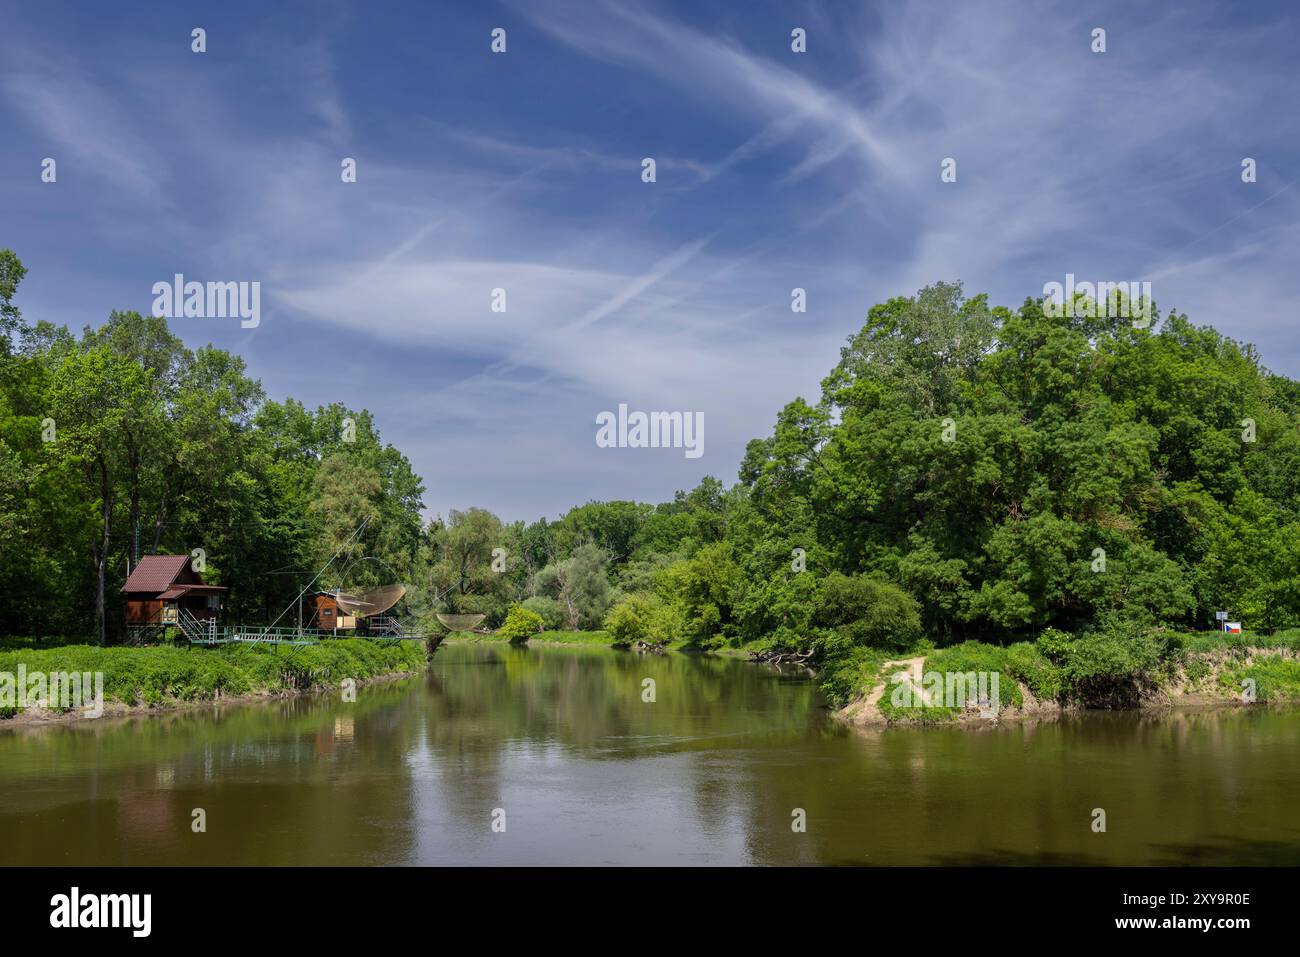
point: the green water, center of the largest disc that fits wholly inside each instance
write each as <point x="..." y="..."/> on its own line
<point x="584" y="771"/>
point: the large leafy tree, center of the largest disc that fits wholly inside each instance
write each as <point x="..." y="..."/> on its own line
<point x="1016" y="470"/>
<point x="98" y="399"/>
<point x="122" y="441"/>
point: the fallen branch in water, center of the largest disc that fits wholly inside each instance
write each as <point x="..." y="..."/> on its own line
<point x="782" y="657"/>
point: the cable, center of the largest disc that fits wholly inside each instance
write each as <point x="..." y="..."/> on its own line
<point x="359" y="529"/>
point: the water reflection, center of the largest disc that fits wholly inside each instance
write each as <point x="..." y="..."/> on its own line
<point x="562" y="746"/>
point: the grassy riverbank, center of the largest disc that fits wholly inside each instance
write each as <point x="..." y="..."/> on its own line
<point x="1100" y="669"/>
<point x="1118" y="667"/>
<point x="160" y="676"/>
<point x="1114" y="668"/>
<point x="594" y="638"/>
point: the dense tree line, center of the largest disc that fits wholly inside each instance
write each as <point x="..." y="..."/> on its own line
<point x="968" y="471"/>
<point x="1013" y="471"/>
<point x="122" y="442"/>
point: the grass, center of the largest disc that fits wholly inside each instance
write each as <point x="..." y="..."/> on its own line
<point x="1201" y="642"/>
<point x="1084" y="669"/>
<point x="1232" y="660"/>
<point x="596" y="638"/>
<point x="967" y="658"/>
<point x="34" y="642"/>
<point x="159" y="675"/>
<point x="575" y="638"/>
<point x="600" y="639"/>
<point x="1275" y="678"/>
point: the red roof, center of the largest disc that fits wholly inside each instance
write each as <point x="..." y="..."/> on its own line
<point x="176" y="591"/>
<point x="155" y="573"/>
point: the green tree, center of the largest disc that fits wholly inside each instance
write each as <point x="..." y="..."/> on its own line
<point x="581" y="584"/>
<point x="97" y="398"/>
<point x="520" y="624"/>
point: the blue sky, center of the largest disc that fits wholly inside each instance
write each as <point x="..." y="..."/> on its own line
<point x="522" y="171"/>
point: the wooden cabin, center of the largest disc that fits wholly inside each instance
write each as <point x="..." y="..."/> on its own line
<point x="321" y="610"/>
<point x="161" y="586"/>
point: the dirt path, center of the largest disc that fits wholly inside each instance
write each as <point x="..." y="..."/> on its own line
<point x="864" y="709"/>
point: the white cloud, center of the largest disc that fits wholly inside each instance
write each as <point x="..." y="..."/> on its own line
<point x="823" y="172"/>
<point x="80" y="122"/>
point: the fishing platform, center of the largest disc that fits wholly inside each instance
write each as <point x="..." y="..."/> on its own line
<point x="166" y="592"/>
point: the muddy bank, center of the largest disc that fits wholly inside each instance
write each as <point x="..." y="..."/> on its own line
<point x="1180" y="692"/>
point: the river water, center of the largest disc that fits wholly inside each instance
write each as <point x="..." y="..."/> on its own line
<point x="551" y="755"/>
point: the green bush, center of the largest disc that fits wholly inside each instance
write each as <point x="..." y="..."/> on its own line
<point x="1196" y="669"/>
<point x="1026" y="662"/>
<point x="1107" y="666"/>
<point x="552" y="611"/>
<point x="635" y="619"/>
<point x="868" y="611"/>
<point x="847" y="670"/>
<point x="520" y="625"/>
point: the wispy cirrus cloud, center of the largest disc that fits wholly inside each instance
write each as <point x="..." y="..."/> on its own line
<point x="776" y="170"/>
<point x="78" y="120"/>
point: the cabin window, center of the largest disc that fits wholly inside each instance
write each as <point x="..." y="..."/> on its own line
<point x="214" y="601"/>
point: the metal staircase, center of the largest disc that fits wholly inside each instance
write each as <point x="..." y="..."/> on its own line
<point x="198" y="632"/>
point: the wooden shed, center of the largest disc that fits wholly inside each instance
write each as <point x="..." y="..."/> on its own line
<point x="161" y="586"/>
<point x="363" y="611"/>
<point x="321" y="610"/>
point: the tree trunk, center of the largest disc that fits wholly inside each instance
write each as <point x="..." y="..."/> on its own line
<point x="133" y="462"/>
<point x="573" y="612"/>
<point x="159" y="522"/>
<point x="101" y="551"/>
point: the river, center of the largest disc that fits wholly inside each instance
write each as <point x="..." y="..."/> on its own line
<point x="552" y="755"/>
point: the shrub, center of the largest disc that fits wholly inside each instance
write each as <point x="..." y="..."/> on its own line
<point x="628" y="621"/>
<point x="552" y="611"/>
<point x="1106" y="666"/>
<point x="847" y="670"/>
<point x="520" y="624"/>
<point x="1196" y="669"/>
<point x="1026" y="662"/>
<point x="868" y="611"/>
<point x="640" y="617"/>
